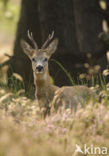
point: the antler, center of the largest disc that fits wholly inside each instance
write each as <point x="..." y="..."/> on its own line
<point x="30" y="36"/>
<point x="50" y="36"/>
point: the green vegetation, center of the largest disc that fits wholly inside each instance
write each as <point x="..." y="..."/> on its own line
<point x="9" y="14"/>
<point x="65" y="71"/>
<point x="24" y="132"/>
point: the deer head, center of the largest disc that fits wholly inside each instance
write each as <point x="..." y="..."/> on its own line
<point x="39" y="57"/>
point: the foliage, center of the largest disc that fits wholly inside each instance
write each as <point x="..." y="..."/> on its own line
<point x="65" y="71"/>
<point x="9" y="14"/>
<point x="23" y="131"/>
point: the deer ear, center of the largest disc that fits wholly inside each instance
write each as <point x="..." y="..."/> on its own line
<point x="28" y="50"/>
<point x="52" y="47"/>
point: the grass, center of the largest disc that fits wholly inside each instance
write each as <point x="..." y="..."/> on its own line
<point x="23" y="131"/>
<point x="9" y="17"/>
<point x="65" y="71"/>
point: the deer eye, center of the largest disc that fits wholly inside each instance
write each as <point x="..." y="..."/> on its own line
<point x="45" y="60"/>
<point x="33" y="59"/>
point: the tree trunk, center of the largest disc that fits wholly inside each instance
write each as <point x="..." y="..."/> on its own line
<point x="29" y="20"/>
<point x="76" y="23"/>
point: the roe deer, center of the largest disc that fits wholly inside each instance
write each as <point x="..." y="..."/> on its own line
<point x="46" y="93"/>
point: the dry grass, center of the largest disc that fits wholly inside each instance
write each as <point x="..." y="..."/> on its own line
<point x="23" y="131"/>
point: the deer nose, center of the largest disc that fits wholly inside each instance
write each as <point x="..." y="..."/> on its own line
<point x="39" y="68"/>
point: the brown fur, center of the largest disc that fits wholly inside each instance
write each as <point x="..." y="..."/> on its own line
<point x="48" y="95"/>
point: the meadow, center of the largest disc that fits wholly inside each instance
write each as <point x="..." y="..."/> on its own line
<point x="24" y="131"/>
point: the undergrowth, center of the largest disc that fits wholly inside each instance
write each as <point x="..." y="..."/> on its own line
<point x="24" y="131"/>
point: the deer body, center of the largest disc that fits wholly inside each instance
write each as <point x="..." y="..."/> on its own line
<point x="49" y="95"/>
<point x="44" y="91"/>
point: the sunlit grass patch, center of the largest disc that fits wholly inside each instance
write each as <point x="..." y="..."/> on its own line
<point x="23" y="131"/>
<point x="9" y="17"/>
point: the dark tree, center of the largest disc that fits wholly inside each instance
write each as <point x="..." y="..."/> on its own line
<point x="29" y="19"/>
<point x="76" y="23"/>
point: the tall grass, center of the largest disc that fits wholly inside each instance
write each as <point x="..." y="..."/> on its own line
<point x="65" y="71"/>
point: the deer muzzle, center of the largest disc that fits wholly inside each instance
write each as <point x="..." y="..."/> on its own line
<point x="39" y="69"/>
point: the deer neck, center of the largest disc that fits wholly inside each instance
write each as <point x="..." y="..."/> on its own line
<point x="42" y="80"/>
<point x="43" y="86"/>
